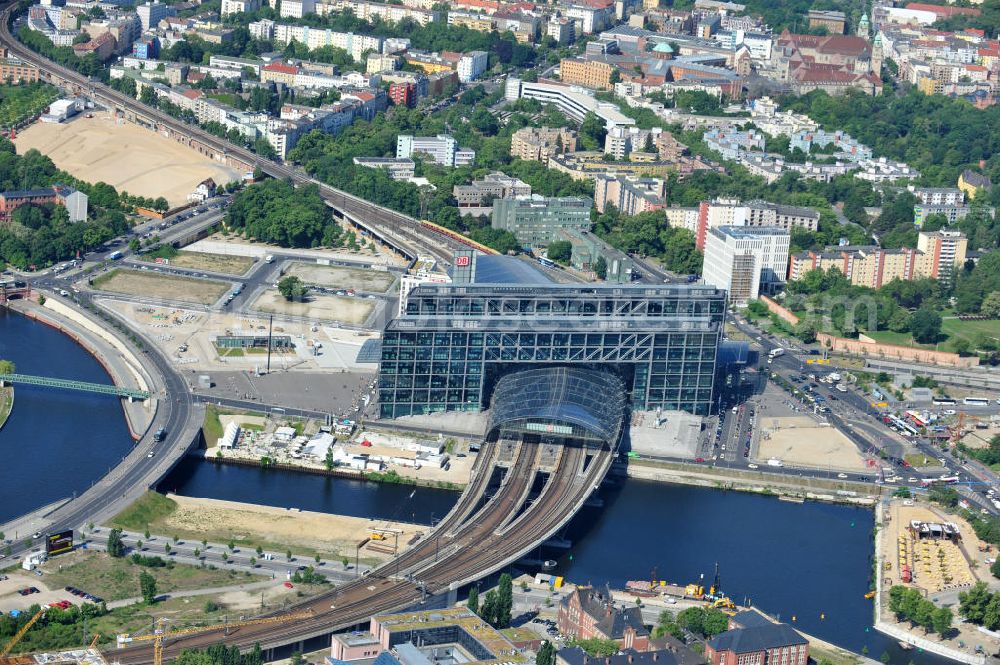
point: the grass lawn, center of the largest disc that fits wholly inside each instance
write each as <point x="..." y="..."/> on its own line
<point x="150" y="507"/>
<point x="115" y="579"/>
<point x="6" y="403"/>
<point x="156" y="285"/>
<point x="970" y="330"/>
<point x="917" y="460"/>
<point x="212" y="427"/>
<point x="229" y="352"/>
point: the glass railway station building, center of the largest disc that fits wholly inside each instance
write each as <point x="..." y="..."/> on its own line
<point x="547" y="357"/>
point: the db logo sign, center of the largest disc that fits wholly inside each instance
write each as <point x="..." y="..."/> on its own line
<point x="462" y="261"/>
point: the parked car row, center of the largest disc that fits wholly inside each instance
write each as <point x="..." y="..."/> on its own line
<point x="83" y="594"/>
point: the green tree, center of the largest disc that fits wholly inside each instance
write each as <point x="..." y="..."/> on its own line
<point x="546" y="654"/>
<point x="473" y="602"/>
<point x="596" y="647"/>
<point x="592" y="132"/>
<point x="7" y="367"/>
<point x="292" y="288"/>
<point x="489" y="608"/>
<point x="972" y="603"/>
<point x="505" y="601"/>
<point x="941" y="620"/>
<point x="693" y="619"/>
<point x="560" y="251"/>
<point x="991" y="305"/>
<point x="116" y="547"/>
<point x="715" y="622"/>
<point x="925" y="325"/>
<point x="147" y="587"/>
<point x="601" y="268"/>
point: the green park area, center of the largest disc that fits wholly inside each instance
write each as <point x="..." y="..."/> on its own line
<point x="23" y="101"/>
<point x="955" y="335"/>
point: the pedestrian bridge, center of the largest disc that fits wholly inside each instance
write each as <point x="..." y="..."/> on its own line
<point x="100" y="388"/>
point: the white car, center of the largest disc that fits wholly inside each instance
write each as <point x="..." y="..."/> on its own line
<point x="752" y="466"/>
<point x="841" y="475"/>
<point x="950" y="412"/>
<point x="151" y="454"/>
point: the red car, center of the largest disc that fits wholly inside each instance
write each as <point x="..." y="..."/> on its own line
<point x="288" y="585"/>
<point x="699" y="459"/>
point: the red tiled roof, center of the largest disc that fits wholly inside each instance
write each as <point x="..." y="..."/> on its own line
<point x="363" y="96"/>
<point x="942" y="10"/>
<point x="192" y="94"/>
<point x="281" y="67"/>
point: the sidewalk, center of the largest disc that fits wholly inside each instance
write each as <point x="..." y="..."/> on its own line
<point x="278" y="566"/>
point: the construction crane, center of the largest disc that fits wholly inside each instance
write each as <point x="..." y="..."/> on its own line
<point x="21" y="633"/>
<point x="159" y="634"/>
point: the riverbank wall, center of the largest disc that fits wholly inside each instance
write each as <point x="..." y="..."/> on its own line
<point x="790" y="487"/>
<point x="350" y="474"/>
<point x="113" y="354"/>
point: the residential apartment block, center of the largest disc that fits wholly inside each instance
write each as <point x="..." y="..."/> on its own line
<point x="75" y="202"/>
<point x="620" y="142"/>
<point x="537" y="144"/>
<point x="732" y="212"/>
<point x="628" y="194"/>
<point x="284" y="33"/>
<point x="937" y="255"/>
<point x="366" y="10"/>
<point x="746" y="261"/>
<point x="948" y="196"/>
<point x="588" y="73"/>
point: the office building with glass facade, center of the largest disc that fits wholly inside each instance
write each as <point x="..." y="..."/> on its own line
<point x="454" y="342"/>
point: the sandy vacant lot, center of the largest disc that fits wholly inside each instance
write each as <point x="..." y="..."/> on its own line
<point x="124" y="155"/>
<point x="352" y="311"/>
<point x="221" y="520"/>
<point x="341" y="277"/>
<point x="229" y="265"/>
<point x="801" y="441"/>
<point x="155" y="285"/>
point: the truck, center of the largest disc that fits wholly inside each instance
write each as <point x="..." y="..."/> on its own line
<point x="775" y="353"/>
<point x="269" y="258"/>
<point x="840" y="387"/>
<point x="833" y="376"/>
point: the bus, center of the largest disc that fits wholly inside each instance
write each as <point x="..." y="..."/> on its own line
<point x="944" y="401"/>
<point x="775" y="353"/>
<point x="904" y="427"/>
<point x="917" y="419"/>
<point x="548" y="263"/>
<point x="943" y="480"/>
<point x="976" y="401"/>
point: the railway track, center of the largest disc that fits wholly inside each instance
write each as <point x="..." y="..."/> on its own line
<point x="401" y="231"/>
<point x="475" y="551"/>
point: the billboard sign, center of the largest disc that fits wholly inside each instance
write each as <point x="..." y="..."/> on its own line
<point x="59" y="543"/>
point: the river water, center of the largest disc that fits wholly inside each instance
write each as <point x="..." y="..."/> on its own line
<point x="55" y="442"/>
<point x="808" y="563"/>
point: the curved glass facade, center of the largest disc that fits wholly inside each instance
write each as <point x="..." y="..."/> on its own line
<point x="586" y="404"/>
